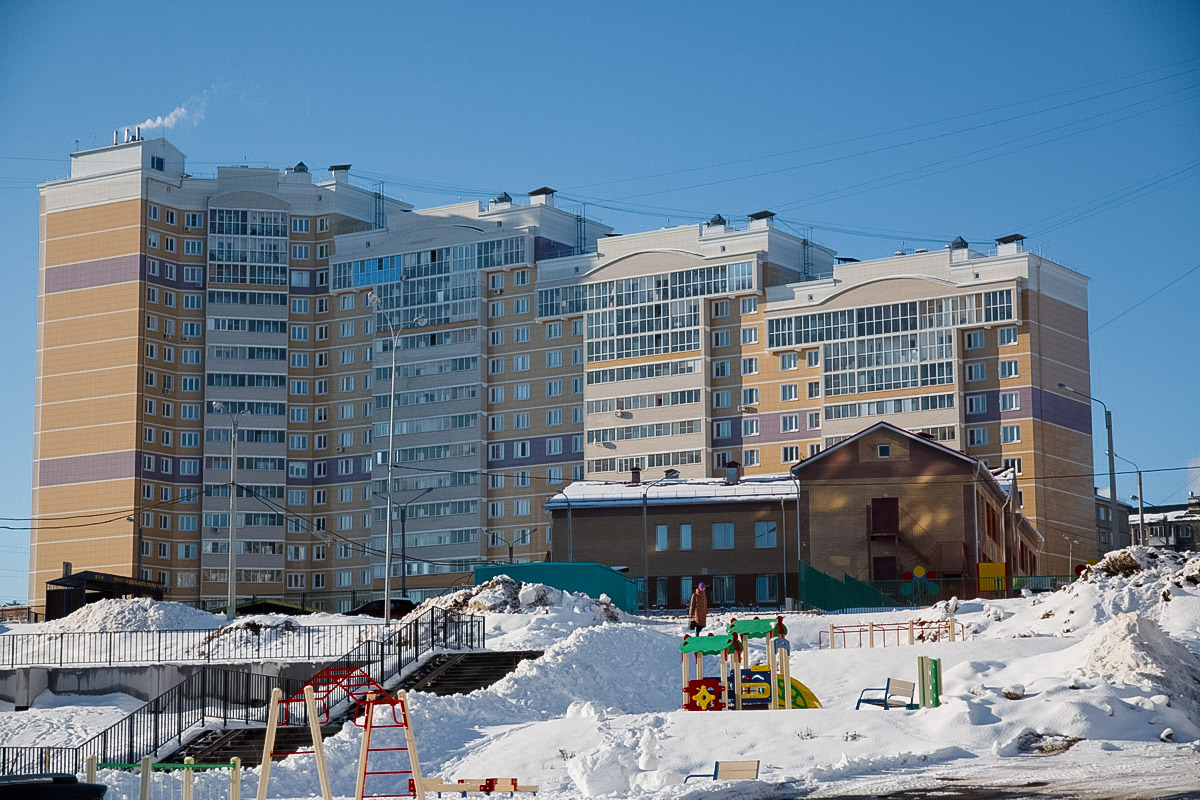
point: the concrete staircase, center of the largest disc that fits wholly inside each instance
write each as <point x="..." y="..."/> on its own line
<point x="444" y="674"/>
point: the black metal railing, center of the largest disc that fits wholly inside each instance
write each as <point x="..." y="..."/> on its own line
<point x="222" y="695"/>
<point x="236" y="642"/>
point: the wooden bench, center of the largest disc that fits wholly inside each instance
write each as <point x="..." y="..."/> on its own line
<point x="896" y="694"/>
<point x="730" y="771"/>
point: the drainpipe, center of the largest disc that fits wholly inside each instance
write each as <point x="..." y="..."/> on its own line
<point x="975" y="507"/>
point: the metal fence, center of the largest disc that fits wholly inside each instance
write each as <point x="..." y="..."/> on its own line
<point x="240" y="641"/>
<point x="826" y="593"/>
<point x="222" y="695"/>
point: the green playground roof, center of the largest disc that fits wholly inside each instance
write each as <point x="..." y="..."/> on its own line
<point x="709" y="645"/>
<point x="751" y="627"/>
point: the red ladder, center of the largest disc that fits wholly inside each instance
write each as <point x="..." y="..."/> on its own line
<point x="354" y="681"/>
<point x="398" y="718"/>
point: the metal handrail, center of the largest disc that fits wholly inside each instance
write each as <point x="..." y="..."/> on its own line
<point x="227" y="695"/>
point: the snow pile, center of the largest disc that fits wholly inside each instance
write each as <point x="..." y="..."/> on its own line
<point x="65" y="720"/>
<point x="1133" y="650"/>
<point x="504" y="595"/>
<point x="140" y="614"/>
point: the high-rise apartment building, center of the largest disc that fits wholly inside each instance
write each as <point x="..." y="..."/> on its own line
<point x="460" y="365"/>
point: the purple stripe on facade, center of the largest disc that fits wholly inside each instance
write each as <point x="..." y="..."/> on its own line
<point x="770" y="429"/>
<point x="89" y="274"/>
<point x="537" y="453"/>
<point x="84" y="469"/>
<point x="1065" y="411"/>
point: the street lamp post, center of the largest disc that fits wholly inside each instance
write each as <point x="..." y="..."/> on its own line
<point x="138" y="526"/>
<point x="1070" y="553"/>
<point x="670" y="474"/>
<point x="1141" y="506"/>
<point x="1112" y="467"/>
<point x="395" y="332"/>
<point x="219" y="407"/>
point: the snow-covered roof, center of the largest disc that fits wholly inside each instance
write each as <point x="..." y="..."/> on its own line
<point x="590" y="494"/>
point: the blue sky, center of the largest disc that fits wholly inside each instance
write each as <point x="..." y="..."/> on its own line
<point x="879" y="125"/>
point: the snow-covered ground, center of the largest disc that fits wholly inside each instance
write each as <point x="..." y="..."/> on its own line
<point x="1092" y="691"/>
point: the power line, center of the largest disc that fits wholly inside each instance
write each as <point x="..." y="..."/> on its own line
<point x="1143" y="301"/>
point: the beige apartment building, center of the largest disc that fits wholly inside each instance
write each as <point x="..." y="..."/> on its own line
<point x="461" y="365"/>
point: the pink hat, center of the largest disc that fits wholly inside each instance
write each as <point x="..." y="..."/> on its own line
<point x="699" y="585"/>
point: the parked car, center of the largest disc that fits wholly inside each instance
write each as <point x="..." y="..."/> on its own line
<point x="374" y="608"/>
<point x="49" y="786"/>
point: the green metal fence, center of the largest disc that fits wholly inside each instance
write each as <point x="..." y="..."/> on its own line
<point x="826" y="593"/>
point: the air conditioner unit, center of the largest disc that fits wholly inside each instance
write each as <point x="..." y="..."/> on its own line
<point x="743" y="408"/>
<point x="497" y="292"/>
<point x="166" y="335"/>
<point x="340" y="449"/>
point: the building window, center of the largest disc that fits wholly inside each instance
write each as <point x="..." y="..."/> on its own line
<point x="722" y="429"/>
<point x="765" y="534"/>
<point x="884" y="451"/>
<point x="750" y="426"/>
<point x="720" y="369"/>
<point x="789" y="361"/>
<point x="814" y="389"/>
<point x="660" y="538"/>
<point x="749" y="305"/>
<point x="750" y="458"/>
<point x="1006" y="336"/>
<point x="720" y="338"/>
<point x="974" y="340"/>
<point x="722" y="536"/>
<point x="749" y="336"/>
<point x="152" y="212"/>
<point x="789" y="453"/>
<point x="977" y="404"/>
<point x="977" y="437"/>
<point x="722" y="590"/>
<point x="1013" y="464"/>
<point x="1009" y="368"/>
<point x="766" y="589"/>
<point x="814" y="420"/>
<point x="789" y="392"/>
<point x="789" y="423"/>
<point x="720" y="308"/>
<point x="750" y="396"/>
<point x="749" y="366"/>
<point x="720" y="399"/>
<point x="976" y="371"/>
<point x="814" y="358"/>
<point x="1010" y="401"/>
<point x="300" y="225"/>
<point x="1010" y="433"/>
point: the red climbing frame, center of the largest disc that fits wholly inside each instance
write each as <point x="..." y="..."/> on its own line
<point x="355" y="682"/>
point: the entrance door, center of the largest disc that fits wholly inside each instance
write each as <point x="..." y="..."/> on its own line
<point x="885" y="516"/>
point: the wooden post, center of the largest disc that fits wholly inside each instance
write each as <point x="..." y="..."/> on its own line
<point x="90" y="769"/>
<point x="911" y="638"/>
<point x="235" y="778"/>
<point x="831" y="636"/>
<point x="147" y="777"/>
<point x="360" y="780"/>
<point x="950" y="625"/>
<point x="683" y="660"/>
<point x="785" y="670"/>
<point x="314" y="725"/>
<point x="269" y="742"/>
<point x="410" y="737"/>
<point x="773" y="703"/>
<point x="187" y="778"/>
<point x="725" y="680"/>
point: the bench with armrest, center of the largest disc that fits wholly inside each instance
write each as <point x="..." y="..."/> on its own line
<point x="730" y="771"/>
<point x="896" y="694"/>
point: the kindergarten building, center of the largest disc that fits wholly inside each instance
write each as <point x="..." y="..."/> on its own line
<point x="874" y="506"/>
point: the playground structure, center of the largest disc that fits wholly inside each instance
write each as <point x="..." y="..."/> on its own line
<point x="948" y="629"/>
<point x="897" y="693"/>
<point x="375" y="709"/>
<point x="767" y="685"/>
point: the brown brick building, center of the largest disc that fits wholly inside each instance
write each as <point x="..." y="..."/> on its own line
<point x="873" y="506"/>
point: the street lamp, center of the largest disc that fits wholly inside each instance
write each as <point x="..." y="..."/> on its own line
<point x="219" y="408"/>
<point x="1112" y="467"/>
<point x="669" y="475"/>
<point x="570" y="532"/>
<point x="1070" y="553"/>
<point x="527" y="536"/>
<point x="137" y="525"/>
<point x="1141" y="507"/>
<point x="395" y="332"/>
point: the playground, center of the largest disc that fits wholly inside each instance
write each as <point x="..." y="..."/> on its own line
<point x="1093" y="683"/>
